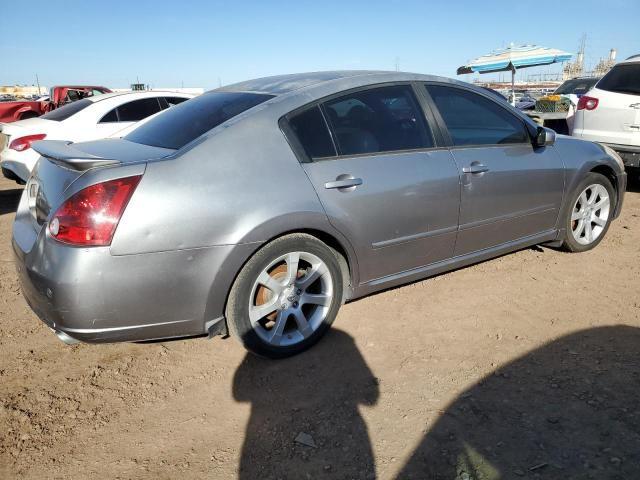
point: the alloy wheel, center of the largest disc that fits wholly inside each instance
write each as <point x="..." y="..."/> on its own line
<point x="590" y="214"/>
<point x="290" y="298"/>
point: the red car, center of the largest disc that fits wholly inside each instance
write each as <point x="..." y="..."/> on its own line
<point x="20" y="110"/>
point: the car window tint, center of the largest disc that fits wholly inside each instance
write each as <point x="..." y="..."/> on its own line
<point x="313" y="134"/>
<point x="175" y="100"/>
<point x="472" y="119"/>
<point x="577" y="86"/>
<point x="378" y="120"/>
<point x="623" y="78"/>
<point x="110" y="117"/>
<point x="66" y="111"/>
<point x="185" y="122"/>
<point x="138" y="109"/>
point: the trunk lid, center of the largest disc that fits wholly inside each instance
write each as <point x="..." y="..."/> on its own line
<point x="62" y="164"/>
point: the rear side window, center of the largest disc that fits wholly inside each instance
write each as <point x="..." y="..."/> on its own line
<point x="623" y="78"/>
<point x="472" y="119"/>
<point x="62" y="113"/>
<point x="183" y="123"/>
<point x="380" y="119"/>
<point x="313" y="134"/>
<point x="110" y="117"/>
<point x="138" y="109"/>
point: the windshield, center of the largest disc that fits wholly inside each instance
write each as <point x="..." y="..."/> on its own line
<point x="179" y="125"/>
<point x="66" y="111"/>
<point x="623" y="78"/>
<point x="577" y="86"/>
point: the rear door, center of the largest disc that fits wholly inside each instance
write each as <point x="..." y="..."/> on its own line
<point x="372" y="160"/>
<point x="509" y="189"/>
<point x="616" y="118"/>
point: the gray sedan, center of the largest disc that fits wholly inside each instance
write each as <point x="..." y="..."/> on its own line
<point x="261" y="207"/>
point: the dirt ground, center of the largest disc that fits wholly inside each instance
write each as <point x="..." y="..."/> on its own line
<point x="526" y="366"/>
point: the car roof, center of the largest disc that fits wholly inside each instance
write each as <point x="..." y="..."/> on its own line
<point x="143" y="94"/>
<point x="283" y="84"/>
<point x="631" y="59"/>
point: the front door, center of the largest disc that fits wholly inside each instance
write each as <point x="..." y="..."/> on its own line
<point x="509" y="190"/>
<point x="380" y="180"/>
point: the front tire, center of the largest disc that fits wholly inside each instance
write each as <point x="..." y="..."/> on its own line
<point x="589" y="216"/>
<point x="286" y="296"/>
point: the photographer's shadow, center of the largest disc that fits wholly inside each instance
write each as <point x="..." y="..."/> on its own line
<point x="568" y="410"/>
<point x="305" y="421"/>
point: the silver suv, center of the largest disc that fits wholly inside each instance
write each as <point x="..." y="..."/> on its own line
<point x="610" y="112"/>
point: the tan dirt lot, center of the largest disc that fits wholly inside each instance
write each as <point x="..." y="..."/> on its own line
<point x="526" y="366"/>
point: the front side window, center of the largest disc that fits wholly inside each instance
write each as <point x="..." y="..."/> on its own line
<point x="313" y="134"/>
<point x="472" y="119"/>
<point x="183" y="123"/>
<point x="623" y="78"/>
<point x="380" y="119"/>
<point x="138" y="109"/>
<point x="175" y="100"/>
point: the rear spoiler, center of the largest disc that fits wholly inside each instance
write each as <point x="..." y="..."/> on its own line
<point x="65" y="154"/>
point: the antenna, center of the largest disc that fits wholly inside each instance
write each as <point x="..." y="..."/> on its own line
<point x="397" y="64"/>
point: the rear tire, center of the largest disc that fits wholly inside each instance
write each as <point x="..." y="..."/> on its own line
<point x="589" y="215"/>
<point x="286" y="296"/>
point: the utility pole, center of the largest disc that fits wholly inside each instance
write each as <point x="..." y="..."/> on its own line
<point x="397" y="64"/>
<point x="38" y="83"/>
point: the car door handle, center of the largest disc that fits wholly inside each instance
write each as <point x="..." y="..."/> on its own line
<point x="343" y="183"/>
<point x="475" y="168"/>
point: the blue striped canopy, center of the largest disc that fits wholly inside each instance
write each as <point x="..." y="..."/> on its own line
<point x="513" y="58"/>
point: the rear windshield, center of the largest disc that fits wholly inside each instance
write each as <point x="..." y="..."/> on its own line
<point x="623" y="78"/>
<point x="577" y="86"/>
<point x="179" y="125"/>
<point x="67" y="110"/>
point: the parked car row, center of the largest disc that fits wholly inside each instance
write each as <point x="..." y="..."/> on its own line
<point x="260" y="208"/>
<point x="12" y="111"/>
<point x="94" y="117"/>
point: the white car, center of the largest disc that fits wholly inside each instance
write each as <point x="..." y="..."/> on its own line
<point x="610" y="112"/>
<point x="92" y="118"/>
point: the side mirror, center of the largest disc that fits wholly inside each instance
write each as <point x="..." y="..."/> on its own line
<point x="544" y="137"/>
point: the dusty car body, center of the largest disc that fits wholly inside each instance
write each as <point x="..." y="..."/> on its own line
<point x="234" y="225"/>
<point x="61" y="95"/>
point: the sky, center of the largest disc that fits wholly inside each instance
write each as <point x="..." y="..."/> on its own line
<point x="211" y="43"/>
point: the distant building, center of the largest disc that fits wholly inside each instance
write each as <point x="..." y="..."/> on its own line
<point x="25" y="91"/>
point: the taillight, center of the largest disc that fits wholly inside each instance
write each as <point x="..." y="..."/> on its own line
<point x="90" y="217"/>
<point x="587" y="103"/>
<point x="24" y="143"/>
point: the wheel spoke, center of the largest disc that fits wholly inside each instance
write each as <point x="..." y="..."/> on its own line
<point x="588" y="231"/>
<point x="599" y="221"/>
<point x="316" y="299"/>
<point x="301" y="321"/>
<point x="292" y="261"/>
<point x="593" y="196"/>
<point x="258" y="312"/>
<point x="316" y="272"/>
<point x="271" y="283"/>
<point x="583" y="200"/>
<point x="604" y="202"/>
<point x="579" y="228"/>
<point x="278" y="328"/>
<point x="576" y="215"/>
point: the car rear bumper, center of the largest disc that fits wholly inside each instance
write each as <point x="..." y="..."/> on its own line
<point x="89" y="295"/>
